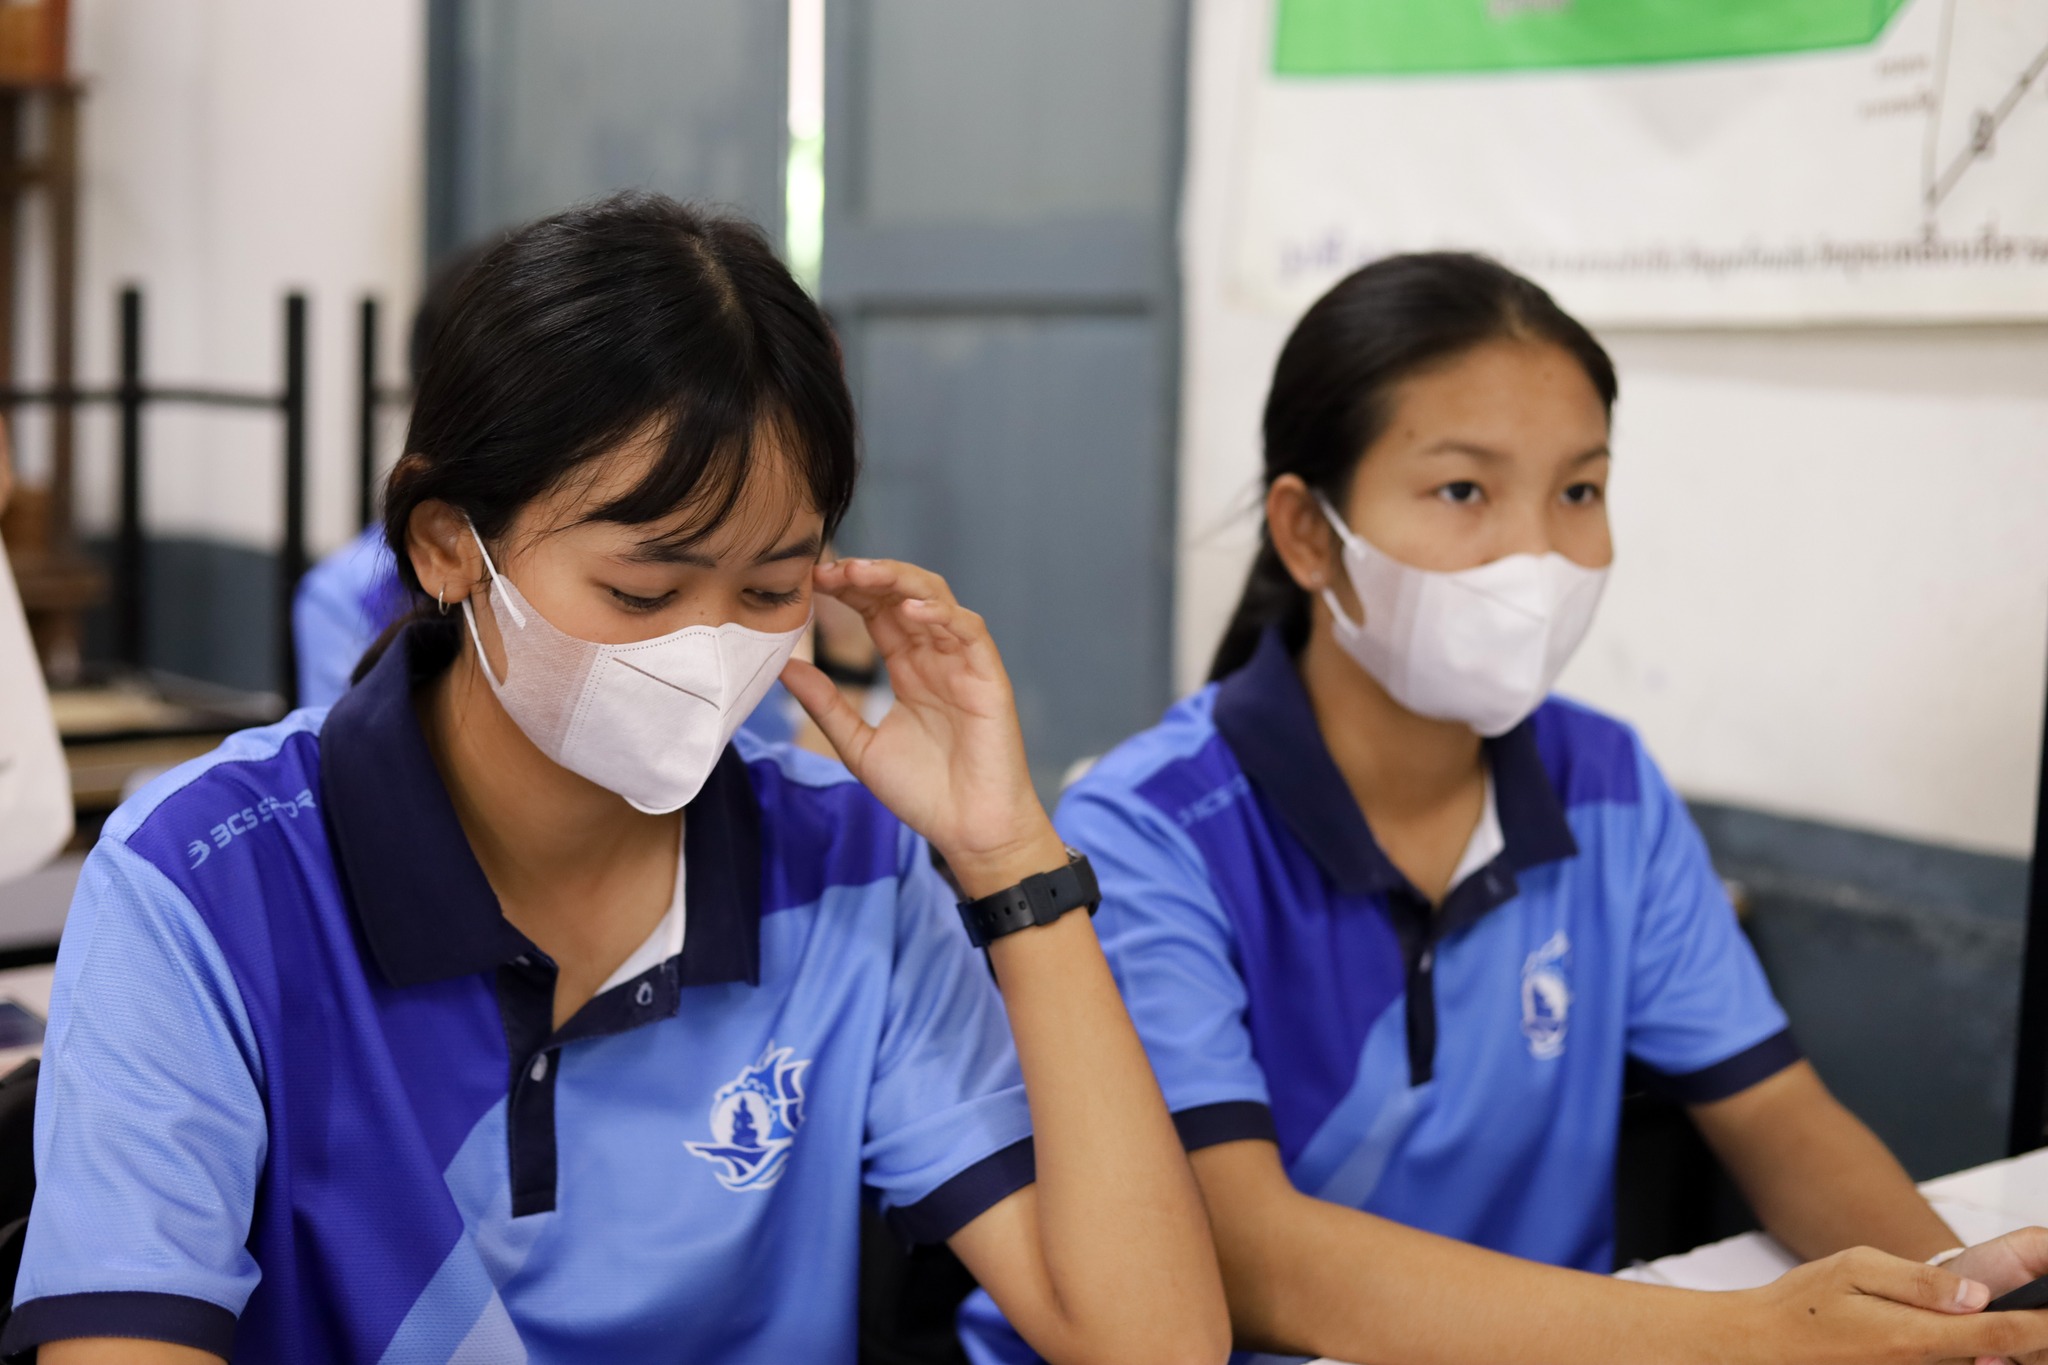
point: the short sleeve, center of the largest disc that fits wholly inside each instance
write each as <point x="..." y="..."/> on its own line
<point x="149" y="1134"/>
<point x="948" y="1129"/>
<point x="1703" y="1023"/>
<point x="1170" y="946"/>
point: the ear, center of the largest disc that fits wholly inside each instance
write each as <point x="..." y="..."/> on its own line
<point x="443" y="552"/>
<point x="1302" y="536"/>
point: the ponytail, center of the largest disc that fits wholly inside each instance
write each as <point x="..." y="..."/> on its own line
<point x="1271" y="598"/>
<point x="1333" y="392"/>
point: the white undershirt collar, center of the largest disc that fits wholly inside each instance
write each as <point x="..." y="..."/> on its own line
<point x="667" y="939"/>
<point x="1487" y="841"/>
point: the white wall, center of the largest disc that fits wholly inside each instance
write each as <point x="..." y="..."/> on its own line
<point x="1831" y="596"/>
<point x="232" y="150"/>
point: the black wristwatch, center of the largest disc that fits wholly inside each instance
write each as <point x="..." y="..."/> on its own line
<point x="1038" y="899"/>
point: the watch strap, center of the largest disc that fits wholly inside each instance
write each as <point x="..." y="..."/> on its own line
<point x="1038" y="899"/>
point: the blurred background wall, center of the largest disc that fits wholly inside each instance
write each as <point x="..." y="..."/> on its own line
<point x="232" y="150"/>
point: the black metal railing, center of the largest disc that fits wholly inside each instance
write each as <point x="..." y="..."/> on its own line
<point x="132" y="396"/>
<point x="371" y="397"/>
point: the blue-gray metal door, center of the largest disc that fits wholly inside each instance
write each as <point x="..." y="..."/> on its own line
<point x="536" y="104"/>
<point x="1002" y="178"/>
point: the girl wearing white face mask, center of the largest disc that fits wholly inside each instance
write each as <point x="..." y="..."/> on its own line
<point x="515" y="1010"/>
<point x="1392" y="923"/>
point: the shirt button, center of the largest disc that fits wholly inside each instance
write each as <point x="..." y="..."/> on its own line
<point x="1426" y="961"/>
<point x="539" y="1069"/>
<point x="522" y="961"/>
<point x="645" y="995"/>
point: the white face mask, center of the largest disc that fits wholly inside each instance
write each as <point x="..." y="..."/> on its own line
<point x="647" y="720"/>
<point x="1482" y="646"/>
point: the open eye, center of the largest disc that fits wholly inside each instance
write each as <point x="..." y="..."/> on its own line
<point x="1461" y="493"/>
<point x="640" y="604"/>
<point x="1584" y="495"/>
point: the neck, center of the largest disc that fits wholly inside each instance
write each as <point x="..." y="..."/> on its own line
<point x="534" y="826"/>
<point x="1398" y="765"/>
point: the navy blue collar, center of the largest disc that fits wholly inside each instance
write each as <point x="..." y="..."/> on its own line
<point x="1263" y="713"/>
<point x="424" y="906"/>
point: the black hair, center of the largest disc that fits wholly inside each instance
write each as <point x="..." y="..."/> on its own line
<point x="437" y="300"/>
<point x="576" y="332"/>
<point x="1333" y="392"/>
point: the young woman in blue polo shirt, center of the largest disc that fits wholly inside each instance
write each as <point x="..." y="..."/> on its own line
<point x="512" y="1010"/>
<point x="1391" y="923"/>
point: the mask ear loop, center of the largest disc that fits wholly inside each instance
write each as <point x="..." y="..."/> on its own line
<point x="500" y="600"/>
<point x="1349" y="537"/>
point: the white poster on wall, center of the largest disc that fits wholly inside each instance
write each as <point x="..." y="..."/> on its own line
<point x="1658" y="162"/>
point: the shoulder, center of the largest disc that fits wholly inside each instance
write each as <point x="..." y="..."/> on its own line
<point x="819" y="826"/>
<point x="271" y="775"/>
<point x="231" y="844"/>
<point x="1153" y="791"/>
<point x="1165" y="770"/>
<point x="1592" y="757"/>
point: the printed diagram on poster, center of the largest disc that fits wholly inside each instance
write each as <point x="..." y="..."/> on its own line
<point x="1657" y="162"/>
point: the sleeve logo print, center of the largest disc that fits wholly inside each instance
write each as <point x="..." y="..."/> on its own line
<point x="1546" y="998"/>
<point x="248" y="818"/>
<point x="754" y="1119"/>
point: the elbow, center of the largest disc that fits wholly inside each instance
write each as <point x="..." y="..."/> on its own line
<point x="1193" y="1338"/>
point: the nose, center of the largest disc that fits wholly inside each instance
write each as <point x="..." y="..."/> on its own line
<point x="1525" y="529"/>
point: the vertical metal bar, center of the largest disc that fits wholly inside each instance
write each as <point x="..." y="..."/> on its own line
<point x="292" y="558"/>
<point x="62" y="180"/>
<point x="128" y="574"/>
<point x="366" y="416"/>
<point x="2029" y="1127"/>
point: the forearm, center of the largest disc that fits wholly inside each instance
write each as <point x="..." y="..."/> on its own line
<point x="1321" y="1279"/>
<point x="121" y="1351"/>
<point x="1816" y="1177"/>
<point x="1117" y="1215"/>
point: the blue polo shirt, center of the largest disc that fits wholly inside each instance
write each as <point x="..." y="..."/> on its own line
<point x="302" y="1099"/>
<point x="1458" y="1069"/>
<point x="342" y="605"/>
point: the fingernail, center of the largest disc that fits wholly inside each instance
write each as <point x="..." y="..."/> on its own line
<point x="1970" y="1296"/>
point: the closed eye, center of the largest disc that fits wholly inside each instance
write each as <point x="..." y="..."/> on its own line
<point x="768" y="598"/>
<point x="641" y="604"/>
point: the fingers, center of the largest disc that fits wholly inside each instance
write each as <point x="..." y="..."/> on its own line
<point x="1998" y="1337"/>
<point x="1913" y="1284"/>
<point x="903" y="605"/>
<point x="837" y="720"/>
<point x="2029" y="1248"/>
<point x="874" y="581"/>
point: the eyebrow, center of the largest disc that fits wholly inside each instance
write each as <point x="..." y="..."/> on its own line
<point x="674" y="552"/>
<point x="1491" y="456"/>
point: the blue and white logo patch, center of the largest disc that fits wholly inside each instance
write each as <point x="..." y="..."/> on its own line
<point x="754" y="1119"/>
<point x="1546" y="998"/>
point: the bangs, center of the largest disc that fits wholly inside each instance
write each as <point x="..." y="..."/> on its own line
<point x="712" y="454"/>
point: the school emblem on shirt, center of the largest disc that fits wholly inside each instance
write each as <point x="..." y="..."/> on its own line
<point x="1546" y="998"/>
<point x="754" y="1119"/>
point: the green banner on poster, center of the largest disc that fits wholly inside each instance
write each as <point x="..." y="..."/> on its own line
<point x="1436" y="37"/>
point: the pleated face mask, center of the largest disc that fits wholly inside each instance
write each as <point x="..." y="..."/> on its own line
<point x="647" y="720"/>
<point x="1482" y="646"/>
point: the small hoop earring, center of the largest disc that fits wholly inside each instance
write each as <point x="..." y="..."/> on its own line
<point x="441" y="599"/>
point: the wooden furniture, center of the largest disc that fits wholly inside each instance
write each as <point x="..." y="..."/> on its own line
<point x="39" y="105"/>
